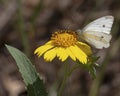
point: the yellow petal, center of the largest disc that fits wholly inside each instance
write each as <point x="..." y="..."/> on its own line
<point x="40" y="50"/>
<point x="79" y="54"/>
<point x="49" y="42"/>
<point x="84" y="47"/>
<point x="50" y="55"/>
<point x="69" y="52"/>
<point x="61" y="53"/>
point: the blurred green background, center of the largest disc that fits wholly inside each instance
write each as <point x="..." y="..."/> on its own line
<point x="27" y="24"/>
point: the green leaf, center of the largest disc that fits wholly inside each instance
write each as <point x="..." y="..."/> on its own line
<point x="90" y="66"/>
<point x="92" y="71"/>
<point x="35" y="86"/>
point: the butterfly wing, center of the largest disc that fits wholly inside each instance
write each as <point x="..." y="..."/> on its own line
<point x="97" y="39"/>
<point x="97" y="33"/>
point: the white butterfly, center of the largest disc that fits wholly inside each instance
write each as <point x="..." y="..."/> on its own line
<point x="97" y="33"/>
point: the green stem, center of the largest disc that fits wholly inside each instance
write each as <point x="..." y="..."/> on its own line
<point x="21" y="27"/>
<point x="64" y="79"/>
<point x="98" y="80"/>
<point x="35" y="14"/>
<point x="36" y="11"/>
<point x="73" y="68"/>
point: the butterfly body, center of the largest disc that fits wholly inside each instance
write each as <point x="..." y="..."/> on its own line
<point x="97" y="33"/>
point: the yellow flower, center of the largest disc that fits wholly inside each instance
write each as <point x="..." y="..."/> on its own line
<point x="64" y="44"/>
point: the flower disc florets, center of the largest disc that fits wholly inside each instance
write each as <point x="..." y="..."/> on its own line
<point x="64" y="38"/>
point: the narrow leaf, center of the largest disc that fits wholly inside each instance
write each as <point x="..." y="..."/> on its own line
<point x="92" y="71"/>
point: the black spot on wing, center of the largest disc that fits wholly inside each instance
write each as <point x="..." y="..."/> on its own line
<point x="103" y="26"/>
<point x="102" y="36"/>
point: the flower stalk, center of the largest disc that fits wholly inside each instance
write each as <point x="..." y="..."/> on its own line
<point x="66" y="71"/>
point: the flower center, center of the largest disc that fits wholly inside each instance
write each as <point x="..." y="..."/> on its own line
<point x="64" y="38"/>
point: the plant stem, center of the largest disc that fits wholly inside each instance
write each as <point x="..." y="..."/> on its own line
<point x="34" y="16"/>
<point x="22" y="28"/>
<point x="64" y="79"/>
<point x="98" y="80"/>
